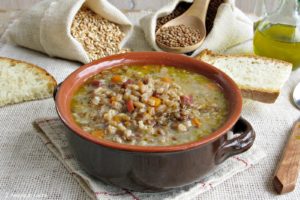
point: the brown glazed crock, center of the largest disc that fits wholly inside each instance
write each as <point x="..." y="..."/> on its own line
<point x="158" y="168"/>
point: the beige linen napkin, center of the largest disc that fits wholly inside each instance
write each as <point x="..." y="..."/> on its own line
<point x="53" y="134"/>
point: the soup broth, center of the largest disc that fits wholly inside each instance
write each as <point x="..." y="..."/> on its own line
<point x="149" y="105"/>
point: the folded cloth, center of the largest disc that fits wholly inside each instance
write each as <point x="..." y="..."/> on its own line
<point x="53" y="134"/>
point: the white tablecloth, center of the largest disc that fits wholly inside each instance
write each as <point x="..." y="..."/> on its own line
<point x="29" y="171"/>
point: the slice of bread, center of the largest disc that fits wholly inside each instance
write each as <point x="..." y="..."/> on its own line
<point x="21" y="81"/>
<point x="259" y="78"/>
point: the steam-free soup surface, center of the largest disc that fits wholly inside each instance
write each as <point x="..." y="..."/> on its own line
<point x="149" y="105"/>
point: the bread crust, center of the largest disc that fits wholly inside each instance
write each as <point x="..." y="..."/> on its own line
<point x="42" y="72"/>
<point x="250" y="93"/>
<point x="262" y="96"/>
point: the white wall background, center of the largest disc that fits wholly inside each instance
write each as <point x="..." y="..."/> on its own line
<point x="245" y="5"/>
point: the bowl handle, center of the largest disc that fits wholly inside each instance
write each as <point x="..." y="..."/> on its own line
<point x="56" y="89"/>
<point x="244" y="137"/>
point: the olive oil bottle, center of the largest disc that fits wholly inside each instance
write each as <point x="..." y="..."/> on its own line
<point x="278" y="34"/>
<point x="278" y="41"/>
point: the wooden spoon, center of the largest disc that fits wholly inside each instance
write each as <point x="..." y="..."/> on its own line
<point x="194" y="17"/>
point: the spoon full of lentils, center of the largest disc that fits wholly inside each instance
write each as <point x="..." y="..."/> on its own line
<point x="184" y="33"/>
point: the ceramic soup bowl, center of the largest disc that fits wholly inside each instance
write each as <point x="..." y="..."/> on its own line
<point x="157" y="168"/>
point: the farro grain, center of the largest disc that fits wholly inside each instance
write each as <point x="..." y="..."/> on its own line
<point x="98" y="36"/>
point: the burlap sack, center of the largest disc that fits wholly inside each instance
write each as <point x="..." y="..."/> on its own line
<point x="230" y="27"/>
<point x="46" y="27"/>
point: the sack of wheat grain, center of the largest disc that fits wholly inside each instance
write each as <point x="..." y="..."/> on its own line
<point x="80" y="30"/>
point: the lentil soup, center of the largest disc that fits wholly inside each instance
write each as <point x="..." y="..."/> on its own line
<point x="149" y="105"/>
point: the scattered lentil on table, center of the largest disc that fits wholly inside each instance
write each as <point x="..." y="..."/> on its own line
<point x="178" y="36"/>
<point x="98" y="36"/>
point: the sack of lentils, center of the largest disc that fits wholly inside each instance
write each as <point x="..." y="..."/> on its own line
<point x="226" y="26"/>
<point x="80" y="30"/>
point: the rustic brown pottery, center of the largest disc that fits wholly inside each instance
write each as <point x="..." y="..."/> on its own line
<point x="156" y="168"/>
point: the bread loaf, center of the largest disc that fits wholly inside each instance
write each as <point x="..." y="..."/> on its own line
<point x="21" y="81"/>
<point x="259" y="78"/>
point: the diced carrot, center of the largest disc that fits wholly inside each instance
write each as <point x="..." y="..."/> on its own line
<point x="112" y="99"/>
<point x="156" y="100"/>
<point x="116" y="79"/>
<point x="98" y="134"/>
<point x="140" y="83"/>
<point x="127" y="123"/>
<point x="149" y="109"/>
<point x="166" y="79"/>
<point x="130" y="106"/>
<point x="196" y="122"/>
<point x="116" y="118"/>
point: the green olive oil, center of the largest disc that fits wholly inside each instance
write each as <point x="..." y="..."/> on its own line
<point x="278" y="41"/>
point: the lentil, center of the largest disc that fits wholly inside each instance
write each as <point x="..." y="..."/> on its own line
<point x="178" y="36"/>
<point x="186" y="111"/>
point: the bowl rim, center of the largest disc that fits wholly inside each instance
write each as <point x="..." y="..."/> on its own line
<point x="61" y="98"/>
